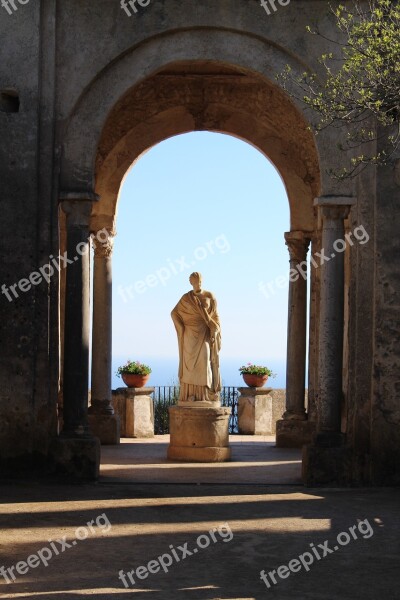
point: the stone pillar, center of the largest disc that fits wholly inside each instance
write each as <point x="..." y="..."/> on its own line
<point x="76" y="452"/>
<point x="255" y="411"/>
<point x="333" y="211"/>
<point x="313" y="353"/>
<point x="103" y="423"/>
<point x="293" y="430"/>
<point x="139" y="412"/>
<point x="297" y="244"/>
<point x="323" y="460"/>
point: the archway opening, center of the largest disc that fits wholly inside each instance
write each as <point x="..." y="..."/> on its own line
<point x="218" y="98"/>
<point x="211" y="203"/>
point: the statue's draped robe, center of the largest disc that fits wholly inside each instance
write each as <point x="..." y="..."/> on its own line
<point x="199" y="373"/>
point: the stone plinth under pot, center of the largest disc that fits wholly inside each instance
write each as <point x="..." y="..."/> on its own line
<point x="255" y="411"/>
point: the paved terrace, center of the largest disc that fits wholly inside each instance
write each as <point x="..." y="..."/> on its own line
<point x="152" y="504"/>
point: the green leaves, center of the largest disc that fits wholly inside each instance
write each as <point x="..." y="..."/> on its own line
<point x="251" y="369"/>
<point x="134" y="368"/>
<point x="361" y="79"/>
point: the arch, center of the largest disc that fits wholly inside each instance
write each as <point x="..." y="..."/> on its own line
<point x="201" y="79"/>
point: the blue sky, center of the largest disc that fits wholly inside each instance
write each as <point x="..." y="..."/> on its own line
<point x="210" y="203"/>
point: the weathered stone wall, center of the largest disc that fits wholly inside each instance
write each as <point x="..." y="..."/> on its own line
<point x="385" y="388"/>
<point x="72" y="64"/>
<point x="28" y="352"/>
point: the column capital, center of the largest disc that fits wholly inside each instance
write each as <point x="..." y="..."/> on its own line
<point x="103" y="248"/>
<point x="297" y="243"/>
<point x="78" y="211"/>
<point x="335" y="207"/>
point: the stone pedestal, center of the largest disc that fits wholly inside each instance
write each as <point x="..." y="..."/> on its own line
<point x="291" y="433"/>
<point x="139" y="412"/>
<point x="106" y="428"/>
<point x="199" y="434"/>
<point x="76" y="458"/>
<point x="255" y="412"/>
<point x="327" y="461"/>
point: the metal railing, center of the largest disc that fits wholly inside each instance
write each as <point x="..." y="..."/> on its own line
<point x="229" y="397"/>
<point x="167" y="395"/>
<point x="164" y="397"/>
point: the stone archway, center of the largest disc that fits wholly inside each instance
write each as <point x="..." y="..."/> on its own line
<point x="184" y="97"/>
<point x="217" y="81"/>
<point x="215" y="97"/>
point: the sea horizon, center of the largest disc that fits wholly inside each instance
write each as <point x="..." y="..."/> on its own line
<point x="165" y="371"/>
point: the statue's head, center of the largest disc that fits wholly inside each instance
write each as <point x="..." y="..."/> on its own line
<point x="195" y="281"/>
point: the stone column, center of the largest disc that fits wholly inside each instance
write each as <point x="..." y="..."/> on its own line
<point x="103" y="423"/>
<point x="323" y="460"/>
<point x="313" y="353"/>
<point x="76" y="452"/>
<point x="293" y="430"/>
<point x="297" y="244"/>
<point x="333" y="211"/>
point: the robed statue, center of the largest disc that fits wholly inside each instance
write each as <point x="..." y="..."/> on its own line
<point x="199" y="338"/>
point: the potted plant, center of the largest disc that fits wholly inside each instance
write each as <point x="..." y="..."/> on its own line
<point x="255" y="375"/>
<point x="134" y="374"/>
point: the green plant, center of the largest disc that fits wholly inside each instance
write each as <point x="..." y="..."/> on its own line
<point x="134" y="368"/>
<point x="251" y="369"/>
<point x="360" y="79"/>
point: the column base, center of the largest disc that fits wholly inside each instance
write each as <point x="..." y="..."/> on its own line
<point x="106" y="428"/>
<point x="326" y="462"/>
<point x="78" y="458"/>
<point x="199" y="434"/>
<point x="291" y="433"/>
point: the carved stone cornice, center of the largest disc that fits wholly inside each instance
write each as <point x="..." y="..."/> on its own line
<point x="335" y="208"/>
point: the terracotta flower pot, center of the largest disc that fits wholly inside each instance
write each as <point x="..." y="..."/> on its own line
<point x="131" y="380"/>
<point x="255" y="380"/>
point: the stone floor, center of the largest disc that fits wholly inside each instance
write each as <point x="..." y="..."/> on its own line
<point x="255" y="459"/>
<point x="128" y="524"/>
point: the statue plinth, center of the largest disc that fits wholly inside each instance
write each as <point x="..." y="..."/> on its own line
<point x="200" y="404"/>
<point x="199" y="433"/>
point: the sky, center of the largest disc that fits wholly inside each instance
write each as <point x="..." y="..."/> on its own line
<point x="211" y="203"/>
